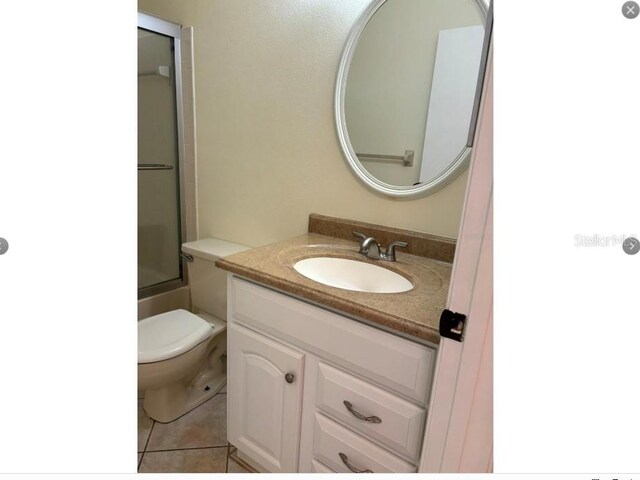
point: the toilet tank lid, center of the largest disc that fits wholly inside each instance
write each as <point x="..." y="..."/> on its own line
<point x="212" y="248"/>
<point x="170" y="334"/>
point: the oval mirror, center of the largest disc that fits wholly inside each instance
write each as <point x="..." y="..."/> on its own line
<point x="406" y="90"/>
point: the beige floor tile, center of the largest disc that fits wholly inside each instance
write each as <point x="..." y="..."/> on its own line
<point x="224" y="389"/>
<point x="235" y="467"/>
<point x="144" y="427"/>
<point x="205" y="460"/>
<point x="206" y="426"/>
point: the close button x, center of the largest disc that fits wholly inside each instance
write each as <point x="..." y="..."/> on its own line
<point x="630" y="9"/>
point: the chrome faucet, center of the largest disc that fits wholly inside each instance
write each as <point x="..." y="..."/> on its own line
<point x="370" y="248"/>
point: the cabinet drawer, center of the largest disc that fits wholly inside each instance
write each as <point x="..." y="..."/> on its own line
<point x="330" y="440"/>
<point x="403" y="366"/>
<point x="401" y="422"/>
<point x="319" y="467"/>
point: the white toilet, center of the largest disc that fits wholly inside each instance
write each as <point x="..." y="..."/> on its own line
<point x="182" y="355"/>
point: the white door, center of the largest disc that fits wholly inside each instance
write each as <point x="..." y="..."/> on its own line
<point x="264" y="399"/>
<point x="459" y="431"/>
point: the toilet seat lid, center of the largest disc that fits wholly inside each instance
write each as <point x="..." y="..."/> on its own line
<point x="170" y="334"/>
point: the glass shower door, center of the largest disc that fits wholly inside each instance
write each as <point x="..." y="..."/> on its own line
<point x="159" y="225"/>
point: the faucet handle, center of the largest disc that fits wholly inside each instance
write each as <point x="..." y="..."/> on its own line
<point x="391" y="249"/>
<point x="361" y="236"/>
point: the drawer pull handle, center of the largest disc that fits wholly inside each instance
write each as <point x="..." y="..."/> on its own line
<point x="289" y="377"/>
<point x="345" y="460"/>
<point x="359" y="416"/>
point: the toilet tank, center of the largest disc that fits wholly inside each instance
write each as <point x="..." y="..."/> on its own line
<point x="208" y="283"/>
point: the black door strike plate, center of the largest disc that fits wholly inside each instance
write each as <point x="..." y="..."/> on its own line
<point x="452" y="325"/>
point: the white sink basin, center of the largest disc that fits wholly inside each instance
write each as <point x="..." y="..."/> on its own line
<point x="352" y="275"/>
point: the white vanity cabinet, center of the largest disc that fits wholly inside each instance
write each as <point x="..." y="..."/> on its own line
<point x="358" y="395"/>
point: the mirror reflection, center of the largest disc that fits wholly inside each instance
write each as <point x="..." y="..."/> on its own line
<point x="411" y="87"/>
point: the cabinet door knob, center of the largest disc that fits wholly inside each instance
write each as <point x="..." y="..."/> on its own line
<point x="289" y="377"/>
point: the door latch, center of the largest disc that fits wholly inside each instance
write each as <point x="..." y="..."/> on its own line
<point x="452" y="325"/>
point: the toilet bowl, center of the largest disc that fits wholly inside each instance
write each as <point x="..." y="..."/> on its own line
<point x="182" y="355"/>
<point x="180" y="362"/>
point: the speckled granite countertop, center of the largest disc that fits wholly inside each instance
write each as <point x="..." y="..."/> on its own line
<point x="416" y="312"/>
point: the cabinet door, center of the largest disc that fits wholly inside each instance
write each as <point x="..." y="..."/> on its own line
<point x="264" y="409"/>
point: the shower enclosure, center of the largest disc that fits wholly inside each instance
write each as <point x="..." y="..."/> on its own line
<point x="161" y="228"/>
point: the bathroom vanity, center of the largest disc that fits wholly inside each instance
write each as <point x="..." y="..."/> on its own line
<point x="322" y="379"/>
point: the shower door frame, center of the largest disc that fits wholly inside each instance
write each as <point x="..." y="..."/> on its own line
<point x="173" y="30"/>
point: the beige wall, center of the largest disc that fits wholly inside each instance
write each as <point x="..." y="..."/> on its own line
<point x="267" y="151"/>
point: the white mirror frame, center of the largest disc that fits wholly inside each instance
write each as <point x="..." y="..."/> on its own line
<point x="448" y="175"/>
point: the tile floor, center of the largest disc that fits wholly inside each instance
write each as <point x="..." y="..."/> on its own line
<point x="194" y="443"/>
